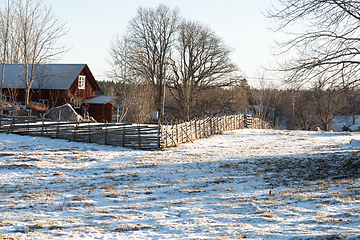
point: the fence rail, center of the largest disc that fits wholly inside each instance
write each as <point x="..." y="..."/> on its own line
<point x="176" y="133"/>
<point x="137" y="136"/>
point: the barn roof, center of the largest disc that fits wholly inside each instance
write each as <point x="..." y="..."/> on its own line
<point x="47" y="76"/>
<point x="100" y="99"/>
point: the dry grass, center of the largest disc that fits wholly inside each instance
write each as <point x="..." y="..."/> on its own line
<point x="133" y="227"/>
<point x="184" y="194"/>
<point x="37" y="107"/>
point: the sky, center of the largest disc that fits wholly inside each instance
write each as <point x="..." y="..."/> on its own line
<point x="93" y="24"/>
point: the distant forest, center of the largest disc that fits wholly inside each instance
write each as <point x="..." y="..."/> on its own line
<point x="306" y="109"/>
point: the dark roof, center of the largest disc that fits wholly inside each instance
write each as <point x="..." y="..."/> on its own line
<point x="100" y="99"/>
<point x="47" y="76"/>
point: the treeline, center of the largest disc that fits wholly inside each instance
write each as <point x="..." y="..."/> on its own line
<point x="306" y="109"/>
<point x="183" y="70"/>
<point x="163" y="56"/>
<point x="135" y="103"/>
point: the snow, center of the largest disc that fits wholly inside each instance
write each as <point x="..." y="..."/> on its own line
<point x="246" y="183"/>
<point x="346" y="121"/>
<point x="355" y="143"/>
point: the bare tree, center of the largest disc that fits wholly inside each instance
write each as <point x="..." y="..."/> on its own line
<point x="56" y="97"/>
<point x="124" y="76"/>
<point x="352" y="95"/>
<point x="119" y="52"/>
<point x="41" y="78"/>
<point x="304" y="115"/>
<point x="161" y="51"/>
<point x="201" y="61"/>
<point x="324" y="37"/>
<point x="150" y="36"/>
<point x="6" y="19"/>
<point x="38" y="33"/>
<point x="327" y="103"/>
<point x="261" y="99"/>
<point x="220" y="100"/>
<point x="13" y="92"/>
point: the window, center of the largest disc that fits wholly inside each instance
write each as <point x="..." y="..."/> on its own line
<point x="7" y="99"/>
<point x="77" y="104"/>
<point x="81" y="84"/>
<point x="44" y="102"/>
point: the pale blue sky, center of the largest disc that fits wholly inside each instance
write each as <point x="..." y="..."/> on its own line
<point x="93" y="24"/>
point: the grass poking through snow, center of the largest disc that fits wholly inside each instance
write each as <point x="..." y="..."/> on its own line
<point x="242" y="184"/>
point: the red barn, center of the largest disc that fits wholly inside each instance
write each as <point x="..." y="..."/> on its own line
<point x="58" y="84"/>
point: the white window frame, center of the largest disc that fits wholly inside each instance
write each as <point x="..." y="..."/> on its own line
<point x="77" y="104"/>
<point x="81" y="82"/>
<point x="44" y="102"/>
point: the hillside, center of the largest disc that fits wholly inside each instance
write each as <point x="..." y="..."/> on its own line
<point x="245" y="183"/>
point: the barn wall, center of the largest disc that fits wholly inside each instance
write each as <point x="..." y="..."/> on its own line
<point x="89" y="88"/>
<point x="101" y="112"/>
<point x="55" y="97"/>
<point x="108" y="112"/>
<point x="20" y="95"/>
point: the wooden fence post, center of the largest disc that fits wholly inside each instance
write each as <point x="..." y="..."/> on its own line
<point x="166" y="126"/>
<point x="139" y="135"/>
<point x="204" y="126"/>
<point x="195" y="123"/>
<point x="191" y="135"/>
<point x="58" y="128"/>
<point x="181" y="131"/>
<point x="219" y="124"/>
<point x="106" y="132"/>
<point x="158" y="137"/>
<point x="11" y="124"/>
<point x="172" y="132"/>
<point x="27" y="126"/>
<point x="226" y="124"/>
<point x="42" y="126"/>
<point x="89" y="133"/>
<point x="177" y="131"/>
<point x="76" y="126"/>
<point x="123" y="136"/>
<point x="223" y="123"/>
<point x="188" y="129"/>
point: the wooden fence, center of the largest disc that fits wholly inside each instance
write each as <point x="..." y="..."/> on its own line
<point x="137" y="136"/>
<point x="176" y="133"/>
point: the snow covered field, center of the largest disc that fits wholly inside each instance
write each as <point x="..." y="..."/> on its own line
<point x="247" y="183"/>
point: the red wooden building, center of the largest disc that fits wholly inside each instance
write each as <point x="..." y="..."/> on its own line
<point x="58" y="84"/>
